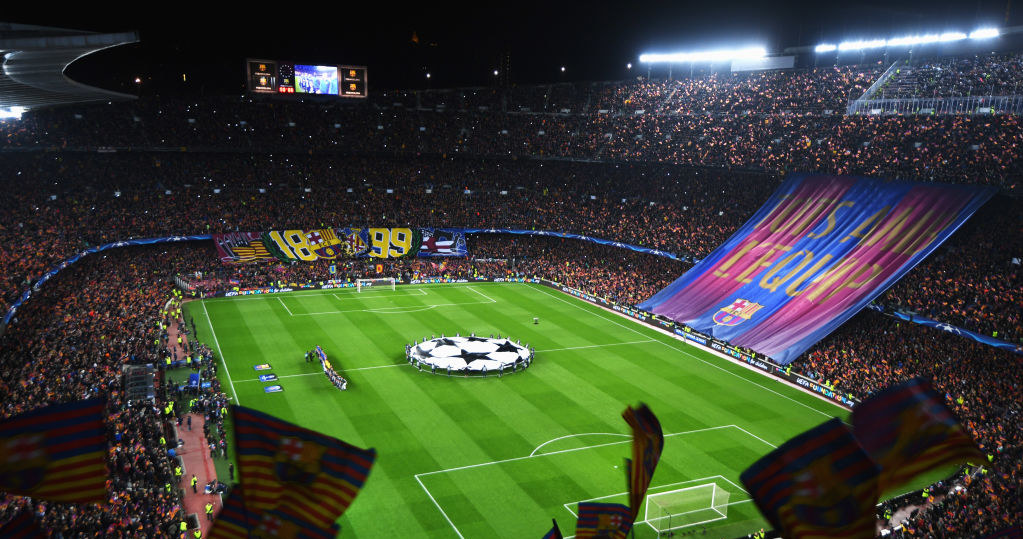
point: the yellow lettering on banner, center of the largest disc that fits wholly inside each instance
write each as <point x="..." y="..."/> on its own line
<point x="281" y="244"/>
<point x="866" y="225"/>
<point x="722" y="270"/>
<point x="792" y="291"/>
<point x="891" y="230"/>
<point x="778" y="222"/>
<point x="763" y="262"/>
<point x="851" y="282"/>
<point x="300" y="245"/>
<point x="770" y="213"/>
<point x="831" y="220"/>
<point x="832" y="277"/>
<point x="807" y="215"/>
<point x="917" y="239"/>
<point x="401" y="241"/>
<point x="379" y="242"/>
<point x="770" y="282"/>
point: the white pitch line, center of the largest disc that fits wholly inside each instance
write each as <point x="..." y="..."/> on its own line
<point x="380" y="310"/>
<point x="481" y="294"/>
<point x="439" y="508"/>
<point x="321" y="372"/>
<point x="390" y="292"/>
<point x="209" y="320"/>
<point x="285" y="306"/>
<point x="574" y="435"/>
<point x="564" y="451"/>
<point x="597" y="346"/>
<point x="686" y="352"/>
<point x="757" y="437"/>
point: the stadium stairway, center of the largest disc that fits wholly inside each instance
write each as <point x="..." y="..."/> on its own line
<point x="195" y="456"/>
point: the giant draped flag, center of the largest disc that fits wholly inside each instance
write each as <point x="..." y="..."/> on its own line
<point x="908" y="429"/>
<point x="818" y="251"/>
<point x="819" y="484"/>
<point x="56" y="453"/>
<point x="284" y="468"/>
<point x="334" y="243"/>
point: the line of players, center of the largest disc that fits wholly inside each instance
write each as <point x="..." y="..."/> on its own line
<point x="339" y="381"/>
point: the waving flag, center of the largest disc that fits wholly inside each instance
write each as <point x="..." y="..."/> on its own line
<point x="819" y="484"/>
<point x="24" y="526"/>
<point x="603" y="521"/>
<point x="908" y="429"/>
<point x="303" y="473"/>
<point x="555" y="532"/>
<point x="647" y="445"/>
<point x="236" y="522"/>
<point x="56" y="453"/>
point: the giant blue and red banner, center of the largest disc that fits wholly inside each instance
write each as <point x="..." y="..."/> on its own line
<point x="817" y="252"/>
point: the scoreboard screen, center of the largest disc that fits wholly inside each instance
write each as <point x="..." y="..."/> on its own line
<point x="262" y="76"/>
<point x="268" y="76"/>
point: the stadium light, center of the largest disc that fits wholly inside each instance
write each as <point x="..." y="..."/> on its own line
<point x="628" y="65"/>
<point x="705" y="56"/>
<point x="908" y="41"/>
<point x="12" y="113"/>
<point x="984" y="33"/>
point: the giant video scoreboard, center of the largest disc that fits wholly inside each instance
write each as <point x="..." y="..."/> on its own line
<point x="274" y="77"/>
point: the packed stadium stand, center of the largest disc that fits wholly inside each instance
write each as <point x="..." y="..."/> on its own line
<point x="676" y="165"/>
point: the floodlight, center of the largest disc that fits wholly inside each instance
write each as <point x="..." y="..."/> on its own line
<point x="12" y="112"/>
<point x="825" y="47"/>
<point x="705" y="56"/>
<point x="984" y="33"/>
<point x="860" y="45"/>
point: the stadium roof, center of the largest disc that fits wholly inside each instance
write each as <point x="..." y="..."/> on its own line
<point x="34" y="59"/>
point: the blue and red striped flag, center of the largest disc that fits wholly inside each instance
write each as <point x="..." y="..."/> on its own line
<point x="236" y="522"/>
<point x="22" y="526"/>
<point x="295" y="470"/>
<point x="555" y="532"/>
<point x="908" y="429"/>
<point x="647" y="445"/>
<point x="56" y="453"/>
<point x="819" y="484"/>
<point x="603" y="521"/>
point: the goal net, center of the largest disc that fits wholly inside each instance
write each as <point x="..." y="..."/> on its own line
<point x="692" y="506"/>
<point x="387" y="282"/>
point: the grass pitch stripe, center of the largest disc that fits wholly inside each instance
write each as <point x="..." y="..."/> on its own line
<point x="223" y="361"/>
<point x="686" y="352"/>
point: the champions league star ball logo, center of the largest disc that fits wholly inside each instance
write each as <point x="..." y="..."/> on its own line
<point x="738" y="312"/>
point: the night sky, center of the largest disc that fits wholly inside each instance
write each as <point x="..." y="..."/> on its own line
<point x="529" y="42"/>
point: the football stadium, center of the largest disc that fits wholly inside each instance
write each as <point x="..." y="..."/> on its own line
<point x="738" y="291"/>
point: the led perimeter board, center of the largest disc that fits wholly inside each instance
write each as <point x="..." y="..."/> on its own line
<point x="286" y="78"/>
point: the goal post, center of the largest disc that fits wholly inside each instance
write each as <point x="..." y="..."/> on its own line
<point x="681" y="508"/>
<point x="383" y="282"/>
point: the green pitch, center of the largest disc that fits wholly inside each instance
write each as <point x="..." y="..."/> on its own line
<point x="500" y="457"/>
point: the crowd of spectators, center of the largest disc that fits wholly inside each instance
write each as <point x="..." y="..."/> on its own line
<point x="980" y="383"/>
<point x="994" y="75"/>
<point x="682" y="176"/>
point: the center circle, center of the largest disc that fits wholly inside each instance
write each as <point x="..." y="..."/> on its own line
<point x="472" y="354"/>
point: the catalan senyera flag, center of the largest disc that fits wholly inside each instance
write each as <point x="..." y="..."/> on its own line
<point x="297" y="471"/>
<point x="236" y="522"/>
<point x="555" y="532"/>
<point x="820" y="484"/>
<point x="908" y="429"/>
<point x="647" y="445"/>
<point x="22" y="526"/>
<point x="603" y="521"/>
<point x="56" y="453"/>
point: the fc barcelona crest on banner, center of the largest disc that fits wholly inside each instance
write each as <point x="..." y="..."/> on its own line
<point x="738" y="312"/>
<point x="298" y="461"/>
